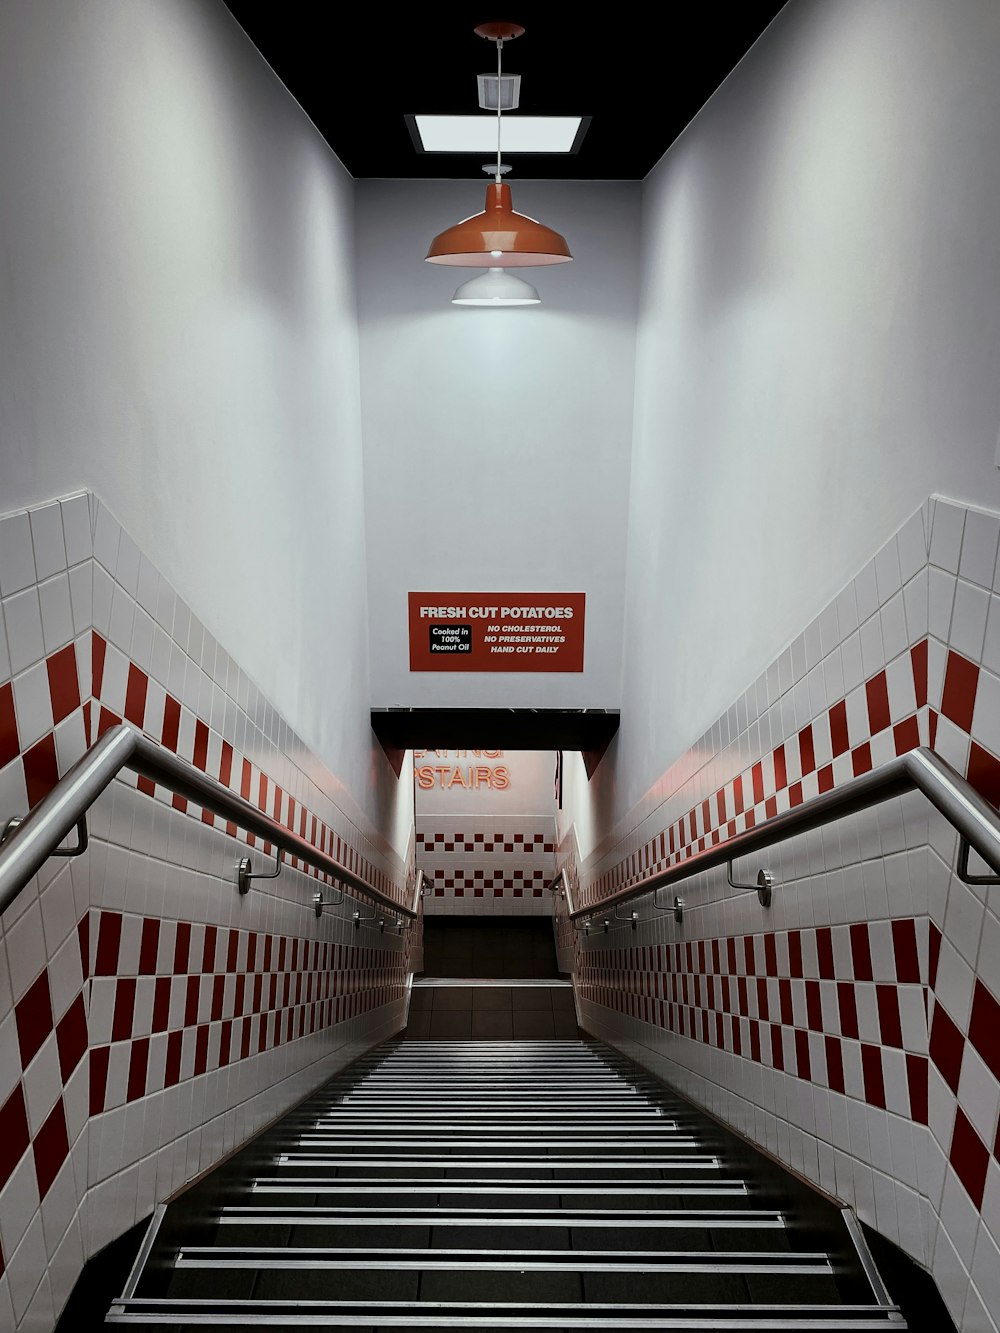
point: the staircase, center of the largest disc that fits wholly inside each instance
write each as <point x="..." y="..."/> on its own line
<point x="494" y="1185"/>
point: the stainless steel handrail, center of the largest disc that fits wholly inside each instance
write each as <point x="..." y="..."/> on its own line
<point x="976" y="821"/>
<point x="38" y="835"/>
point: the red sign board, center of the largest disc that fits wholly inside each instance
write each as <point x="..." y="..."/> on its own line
<point x="496" y="631"/>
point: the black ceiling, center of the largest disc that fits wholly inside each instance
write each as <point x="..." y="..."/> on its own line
<point x="641" y="74"/>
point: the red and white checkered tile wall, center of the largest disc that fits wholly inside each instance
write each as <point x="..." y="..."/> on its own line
<point x="486" y="864"/>
<point x="150" y="1018"/>
<point x="850" y="1030"/>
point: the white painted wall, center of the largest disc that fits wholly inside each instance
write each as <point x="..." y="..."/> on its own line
<point x="180" y="333"/>
<point x="530" y="789"/>
<point x="818" y="344"/>
<point x="497" y="442"/>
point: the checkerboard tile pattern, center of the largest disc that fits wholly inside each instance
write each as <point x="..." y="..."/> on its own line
<point x="170" y="1001"/>
<point x="487" y="863"/>
<point x="498" y="840"/>
<point x="148" y="1020"/>
<point x="840" y="1007"/>
<point x="850" y="1030"/>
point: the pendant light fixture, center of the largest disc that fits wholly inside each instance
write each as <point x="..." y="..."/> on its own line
<point x="498" y="237"/>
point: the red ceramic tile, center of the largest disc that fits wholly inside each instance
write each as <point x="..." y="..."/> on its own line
<point x="161" y="1004"/>
<point x="124" y="1013"/>
<point x="814" y="1006"/>
<point x="807" y="753"/>
<point x="847" y="1004"/>
<point x="137" y="1069"/>
<point x="9" y="744"/>
<point x="916" y="1077"/>
<point x="71" y="1038"/>
<point x="838" y="728"/>
<point x="14" y="1135"/>
<point x="41" y="772"/>
<point x="50" y="1148"/>
<point x="906" y="735"/>
<point x="871" y="1072"/>
<point x="780" y="770"/>
<point x="757" y="778"/>
<point x="149" y="946"/>
<point x="98" y="652"/>
<point x="107" y="720"/>
<point x="890" y="1027"/>
<point x="877" y="694"/>
<point x="33" y="1018"/>
<point x="961" y="679"/>
<point x="984" y="773"/>
<point x="984" y="1028"/>
<point x="834" y="1064"/>
<point x="904" y="947"/>
<point x="861" y="952"/>
<point x="861" y="759"/>
<point x="226" y="769"/>
<point x="135" y="696"/>
<point x="109" y="935"/>
<point x="200" y="759"/>
<point x="946" y="1046"/>
<point x="182" y="948"/>
<point x="969" y="1158"/>
<point x="64" y="685"/>
<point x="825" y="778"/>
<point x="918" y="660"/>
<point x="171" y="723"/>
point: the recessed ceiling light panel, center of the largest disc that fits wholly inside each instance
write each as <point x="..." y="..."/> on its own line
<point x="518" y="134"/>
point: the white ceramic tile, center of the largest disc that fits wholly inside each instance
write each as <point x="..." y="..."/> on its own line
<point x="81" y="593"/>
<point x="866" y="592"/>
<point x="107" y="535"/>
<point x="23" y="620"/>
<point x="32" y="704"/>
<point x="47" y="540"/>
<point x="76" y="528"/>
<point x="57" y="613"/>
<point x="986" y="714"/>
<point x="946" y="535"/>
<point x="42" y="1084"/>
<point x="872" y="649"/>
<point x="887" y="573"/>
<point x="968" y="623"/>
<point x="17" y="561"/>
<point x="940" y="600"/>
<point x="894" y="635"/>
<point x="979" y="547"/>
<point x="979" y="1095"/>
<point x="127" y="569"/>
<point x="18" y="1205"/>
<point x="911" y="546"/>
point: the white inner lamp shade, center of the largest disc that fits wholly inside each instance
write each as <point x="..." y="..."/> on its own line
<point x="509" y="94"/>
<point x="496" y="287"/>
<point x="478" y="134"/>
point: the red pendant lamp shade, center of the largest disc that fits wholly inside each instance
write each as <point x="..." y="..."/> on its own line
<point x="498" y="238"/>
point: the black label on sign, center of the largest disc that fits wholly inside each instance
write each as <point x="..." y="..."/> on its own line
<point x="451" y="638"/>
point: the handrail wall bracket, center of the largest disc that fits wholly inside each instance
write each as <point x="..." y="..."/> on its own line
<point x="245" y="875"/>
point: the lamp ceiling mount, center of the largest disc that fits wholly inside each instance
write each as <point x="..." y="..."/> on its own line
<point x="499" y="32"/>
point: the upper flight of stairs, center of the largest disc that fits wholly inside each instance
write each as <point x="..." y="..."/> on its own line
<point x="530" y="1185"/>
